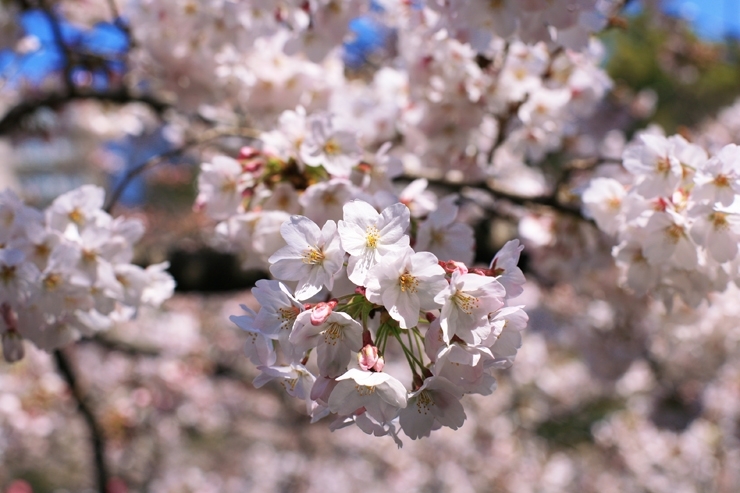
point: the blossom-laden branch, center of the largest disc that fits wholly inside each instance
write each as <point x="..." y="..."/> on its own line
<point x="97" y="437"/>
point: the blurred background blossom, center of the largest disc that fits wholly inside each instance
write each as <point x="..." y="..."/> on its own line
<point x="610" y="393"/>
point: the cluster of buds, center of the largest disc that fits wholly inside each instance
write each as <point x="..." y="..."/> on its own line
<point x="66" y="272"/>
<point x="453" y="325"/>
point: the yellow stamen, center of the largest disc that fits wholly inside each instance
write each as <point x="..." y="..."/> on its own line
<point x="76" y="216"/>
<point x="466" y="302"/>
<point x="52" y="281"/>
<point x="408" y="283"/>
<point x="372" y="235"/>
<point x="364" y="390"/>
<point x="312" y="256"/>
<point x="332" y="147"/>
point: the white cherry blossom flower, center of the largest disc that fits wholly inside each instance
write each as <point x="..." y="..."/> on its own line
<point x="667" y="240"/>
<point x="504" y="267"/>
<point x="406" y="283"/>
<point x="718" y="230"/>
<point x="258" y="348"/>
<point x="378" y="393"/>
<point x="337" y="151"/>
<point x="17" y="277"/>
<point x="220" y="184"/>
<point x="602" y="200"/>
<point x="467" y="301"/>
<point x="295" y="379"/>
<point x="651" y="158"/>
<point x="278" y="311"/>
<point x="443" y="236"/>
<point x="368" y="236"/>
<point x="324" y="201"/>
<point x="336" y="339"/>
<point x="78" y="207"/>
<point x="312" y="256"/>
<point x="719" y="179"/>
<point x="436" y="403"/>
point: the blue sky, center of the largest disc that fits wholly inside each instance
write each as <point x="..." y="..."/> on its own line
<point x="712" y="19"/>
<point x="104" y="39"/>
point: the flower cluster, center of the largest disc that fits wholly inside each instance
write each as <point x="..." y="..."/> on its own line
<point x="66" y="272"/>
<point x="675" y="216"/>
<point x="376" y="289"/>
<point x="312" y="166"/>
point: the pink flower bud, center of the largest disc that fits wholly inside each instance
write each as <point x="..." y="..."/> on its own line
<point x="360" y="290"/>
<point x="322" y="389"/>
<point x="248" y="152"/>
<point x="320" y="313"/>
<point x="369" y="359"/>
<point x="9" y="317"/>
<point x="453" y="265"/>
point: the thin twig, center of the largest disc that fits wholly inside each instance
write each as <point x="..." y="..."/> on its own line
<point x="159" y="158"/>
<point x="96" y="433"/>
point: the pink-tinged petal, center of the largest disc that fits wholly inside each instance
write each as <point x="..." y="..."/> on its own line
<point x="353" y="238"/>
<point x="392" y="392"/>
<point x="393" y="223"/>
<point x="406" y="310"/>
<point x="416" y="420"/>
<point x="345" y="398"/>
<point x="311" y="283"/>
<point x="289" y="269"/>
<point x="722" y="245"/>
<point x="300" y="232"/>
<point x="685" y="255"/>
<point x="333" y="359"/>
<point x="359" y="213"/>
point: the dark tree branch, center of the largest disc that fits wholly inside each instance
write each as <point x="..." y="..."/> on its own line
<point x="96" y="433"/>
<point x="122" y="347"/>
<point x="548" y="201"/>
<point x="14" y="118"/>
<point x="56" y="30"/>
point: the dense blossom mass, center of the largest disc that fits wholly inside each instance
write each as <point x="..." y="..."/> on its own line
<point x="675" y="214"/>
<point x="457" y="319"/>
<point x="66" y="272"/>
<point x="385" y="186"/>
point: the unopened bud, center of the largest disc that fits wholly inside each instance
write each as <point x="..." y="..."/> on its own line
<point x="10" y="318"/>
<point x="320" y="313"/>
<point x="360" y="290"/>
<point x="248" y="152"/>
<point x="453" y="265"/>
<point x="369" y="359"/>
<point x="12" y="346"/>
